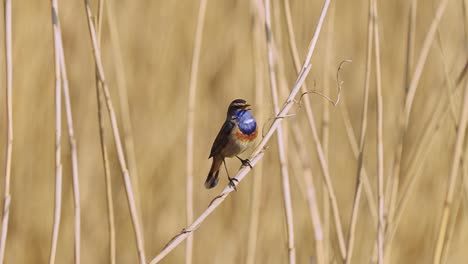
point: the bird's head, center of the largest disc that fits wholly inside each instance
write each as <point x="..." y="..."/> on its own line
<point x="236" y="105"/>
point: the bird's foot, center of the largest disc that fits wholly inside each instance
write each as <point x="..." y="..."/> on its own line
<point x="245" y="162"/>
<point x="232" y="184"/>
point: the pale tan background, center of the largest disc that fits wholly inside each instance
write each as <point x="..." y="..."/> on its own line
<point x="156" y="39"/>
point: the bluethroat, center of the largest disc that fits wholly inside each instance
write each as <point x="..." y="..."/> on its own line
<point x="238" y="133"/>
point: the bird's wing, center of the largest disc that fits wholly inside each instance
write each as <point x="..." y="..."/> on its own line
<point x="222" y="138"/>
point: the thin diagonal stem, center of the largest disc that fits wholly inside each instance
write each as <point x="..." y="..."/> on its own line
<point x="280" y="137"/>
<point x="380" y="154"/>
<point x="452" y="178"/>
<point x="308" y="107"/>
<point x="411" y="92"/>
<point x="310" y="190"/>
<point x="118" y="143"/>
<point x="74" y="154"/>
<point x="257" y="41"/>
<point x="121" y="83"/>
<point x="362" y="137"/>
<point x="58" y="135"/>
<point x="9" y="110"/>
<point x="190" y="124"/>
<point x="102" y="140"/>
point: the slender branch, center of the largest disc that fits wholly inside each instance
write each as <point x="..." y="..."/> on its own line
<point x="118" y="143"/>
<point x="190" y="123"/>
<point x="58" y="135"/>
<point x="9" y="110"/>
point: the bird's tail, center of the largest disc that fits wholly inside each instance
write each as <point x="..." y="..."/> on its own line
<point x="212" y="178"/>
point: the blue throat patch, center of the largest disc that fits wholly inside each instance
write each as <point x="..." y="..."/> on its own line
<point x="245" y="121"/>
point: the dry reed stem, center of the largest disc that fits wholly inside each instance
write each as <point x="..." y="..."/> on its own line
<point x="129" y="145"/>
<point x="311" y="199"/>
<point x="411" y="37"/>
<point x="380" y="151"/>
<point x="73" y="149"/>
<point x="118" y="143"/>
<point x="256" y="155"/>
<point x="102" y="140"/>
<point x="362" y="137"/>
<point x="326" y="126"/>
<point x="9" y="110"/>
<point x="58" y="135"/>
<point x="280" y="137"/>
<point x="450" y="81"/>
<point x="107" y="176"/>
<point x="311" y="122"/>
<point x="258" y="61"/>
<point x="453" y="177"/>
<point x="190" y="123"/>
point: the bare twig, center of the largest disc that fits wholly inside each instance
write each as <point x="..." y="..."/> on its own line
<point x="280" y="137"/>
<point x="58" y="134"/>
<point x="118" y="143"/>
<point x="9" y="110"/>
<point x="190" y="123"/>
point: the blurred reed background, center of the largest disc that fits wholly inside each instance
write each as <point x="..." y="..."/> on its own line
<point x="155" y="41"/>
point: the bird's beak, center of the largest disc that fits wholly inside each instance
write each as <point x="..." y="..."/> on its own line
<point x="247" y="107"/>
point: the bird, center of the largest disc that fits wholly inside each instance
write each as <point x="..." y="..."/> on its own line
<point x="237" y="134"/>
